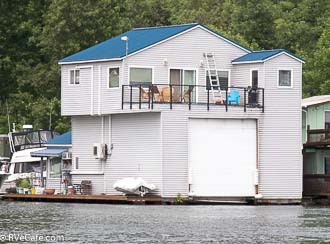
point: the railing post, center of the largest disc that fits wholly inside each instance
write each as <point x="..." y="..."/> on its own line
<point x="244" y="99"/>
<point x="122" y="96"/>
<point x="131" y="97"/>
<point x="227" y="99"/>
<point x="171" y="96"/>
<point x="152" y="98"/>
<point x="208" y="99"/>
<point x="149" y="96"/>
<point x="189" y="103"/>
<point x="263" y="100"/>
<point x="140" y="93"/>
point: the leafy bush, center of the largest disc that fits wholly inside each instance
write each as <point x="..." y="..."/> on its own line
<point x="18" y="182"/>
<point x="25" y="183"/>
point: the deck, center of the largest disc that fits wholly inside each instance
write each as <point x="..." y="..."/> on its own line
<point x="85" y="198"/>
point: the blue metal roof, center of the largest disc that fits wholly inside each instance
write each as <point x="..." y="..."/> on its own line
<point x="138" y="39"/>
<point x="263" y="55"/>
<point x="64" y="139"/>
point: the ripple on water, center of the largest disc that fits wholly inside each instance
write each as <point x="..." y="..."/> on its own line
<point x="83" y="223"/>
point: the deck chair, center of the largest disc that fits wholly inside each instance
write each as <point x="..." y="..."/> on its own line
<point x="144" y="94"/>
<point x="233" y="97"/>
<point x="185" y="94"/>
<point x="165" y="95"/>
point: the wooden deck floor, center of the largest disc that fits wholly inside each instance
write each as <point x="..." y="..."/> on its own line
<point x="85" y="198"/>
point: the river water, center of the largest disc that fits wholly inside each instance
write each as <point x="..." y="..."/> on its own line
<point x="98" y="223"/>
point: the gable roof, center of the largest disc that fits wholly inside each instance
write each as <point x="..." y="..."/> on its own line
<point x="316" y="100"/>
<point x="138" y="39"/>
<point x="264" y="55"/>
<point x="64" y="139"/>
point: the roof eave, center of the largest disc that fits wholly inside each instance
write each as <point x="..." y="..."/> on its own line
<point x="91" y="61"/>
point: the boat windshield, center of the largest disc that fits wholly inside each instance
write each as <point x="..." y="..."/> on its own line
<point x="31" y="139"/>
<point x="28" y="167"/>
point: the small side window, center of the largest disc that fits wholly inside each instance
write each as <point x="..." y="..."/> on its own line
<point x="75" y="77"/>
<point x="284" y="78"/>
<point x="113" y="77"/>
<point x="254" y="79"/>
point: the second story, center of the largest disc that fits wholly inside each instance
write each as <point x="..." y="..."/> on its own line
<point x="186" y="65"/>
<point x="316" y="120"/>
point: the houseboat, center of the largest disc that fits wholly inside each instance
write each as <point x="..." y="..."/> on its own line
<point x="22" y="164"/>
<point x="188" y="110"/>
<point x="316" y="145"/>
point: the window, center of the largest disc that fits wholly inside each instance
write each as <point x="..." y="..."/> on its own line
<point x="224" y="80"/>
<point x="55" y="168"/>
<point x="254" y="78"/>
<point x="75" y="77"/>
<point x="113" y="77"/>
<point x="182" y="79"/>
<point x="285" y="78"/>
<point x="327" y="120"/>
<point x="77" y="163"/>
<point x="141" y="76"/>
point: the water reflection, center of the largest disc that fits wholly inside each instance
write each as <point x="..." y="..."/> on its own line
<point x="86" y="223"/>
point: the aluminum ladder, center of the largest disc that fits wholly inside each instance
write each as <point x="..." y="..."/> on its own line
<point x="212" y="73"/>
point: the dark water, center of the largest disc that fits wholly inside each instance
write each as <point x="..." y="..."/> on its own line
<point x="93" y="223"/>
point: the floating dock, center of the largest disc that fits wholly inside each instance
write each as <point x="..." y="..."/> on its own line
<point x="85" y="198"/>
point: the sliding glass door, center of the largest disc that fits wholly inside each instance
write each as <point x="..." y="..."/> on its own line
<point x="184" y="78"/>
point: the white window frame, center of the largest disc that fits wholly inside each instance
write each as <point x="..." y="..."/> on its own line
<point x="108" y="77"/>
<point x="143" y="67"/>
<point x="229" y="77"/>
<point x="74" y="77"/>
<point x="183" y="69"/>
<point x="49" y="167"/>
<point x="251" y="70"/>
<point x="278" y="78"/>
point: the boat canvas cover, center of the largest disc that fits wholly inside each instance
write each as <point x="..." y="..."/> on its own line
<point x="24" y="156"/>
<point x="49" y="152"/>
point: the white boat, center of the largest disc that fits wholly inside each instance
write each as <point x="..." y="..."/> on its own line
<point x="22" y="164"/>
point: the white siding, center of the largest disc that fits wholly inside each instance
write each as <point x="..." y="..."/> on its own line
<point x="86" y="130"/>
<point x="136" y="152"/>
<point x="75" y="99"/>
<point x="280" y="134"/>
<point x="54" y="184"/>
<point x="175" y="142"/>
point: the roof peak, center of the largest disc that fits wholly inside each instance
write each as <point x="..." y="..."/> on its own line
<point x="164" y="26"/>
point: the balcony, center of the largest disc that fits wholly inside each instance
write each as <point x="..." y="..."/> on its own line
<point x="318" y="137"/>
<point x="169" y="96"/>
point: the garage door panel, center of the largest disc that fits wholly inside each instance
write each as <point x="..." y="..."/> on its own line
<point x="222" y="156"/>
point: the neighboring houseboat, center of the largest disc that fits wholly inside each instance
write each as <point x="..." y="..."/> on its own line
<point x="316" y="145"/>
<point x="22" y="164"/>
<point x="188" y="110"/>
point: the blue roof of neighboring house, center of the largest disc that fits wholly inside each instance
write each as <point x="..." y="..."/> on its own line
<point x="64" y="139"/>
<point x="263" y="55"/>
<point x="138" y="39"/>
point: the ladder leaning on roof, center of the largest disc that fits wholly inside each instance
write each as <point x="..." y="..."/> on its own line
<point x="212" y="73"/>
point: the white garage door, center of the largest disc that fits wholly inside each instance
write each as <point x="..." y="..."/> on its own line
<point x="222" y="157"/>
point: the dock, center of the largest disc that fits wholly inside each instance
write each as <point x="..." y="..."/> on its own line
<point x="114" y="199"/>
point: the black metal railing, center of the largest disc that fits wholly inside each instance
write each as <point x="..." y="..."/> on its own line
<point x="149" y="95"/>
<point x="318" y="137"/>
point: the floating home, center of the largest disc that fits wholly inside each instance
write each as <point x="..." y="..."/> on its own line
<point x="316" y="145"/>
<point x="186" y="109"/>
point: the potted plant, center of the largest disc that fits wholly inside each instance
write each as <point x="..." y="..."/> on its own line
<point x="19" y="188"/>
<point x="25" y="185"/>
